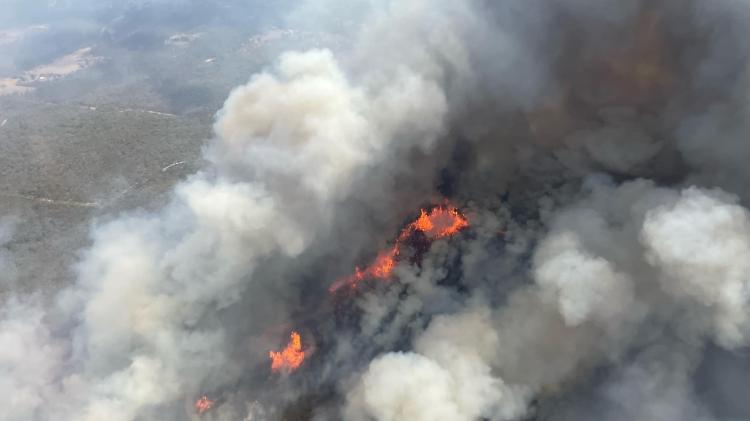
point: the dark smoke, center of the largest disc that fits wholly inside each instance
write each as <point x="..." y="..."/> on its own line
<point x="598" y="149"/>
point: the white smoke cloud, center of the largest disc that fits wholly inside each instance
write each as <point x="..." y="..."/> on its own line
<point x="702" y="245"/>
<point x="406" y="386"/>
<point x="584" y="287"/>
<point x="448" y="377"/>
<point x="29" y="361"/>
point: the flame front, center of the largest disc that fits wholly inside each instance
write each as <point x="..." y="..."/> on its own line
<point x="203" y="404"/>
<point x="290" y="358"/>
<point x="438" y="222"/>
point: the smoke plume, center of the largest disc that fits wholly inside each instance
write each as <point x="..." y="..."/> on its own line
<point x="596" y="149"/>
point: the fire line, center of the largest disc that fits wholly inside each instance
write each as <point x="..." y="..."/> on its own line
<point x="438" y="222"/>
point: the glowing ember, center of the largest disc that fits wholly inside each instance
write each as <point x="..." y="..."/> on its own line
<point x="439" y="222"/>
<point x="203" y="404"/>
<point x="290" y="358"/>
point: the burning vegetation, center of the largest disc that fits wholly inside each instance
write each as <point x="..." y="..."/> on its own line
<point x="436" y="223"/>
<point x="290" y="358"/>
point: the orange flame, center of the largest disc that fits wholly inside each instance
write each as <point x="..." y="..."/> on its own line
<point x="290" y="358"/>
<point x="203" y="404"/>
<point x="439" y="222"/>
<point x="381" y="268"/>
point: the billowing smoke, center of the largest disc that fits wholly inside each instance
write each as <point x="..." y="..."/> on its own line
<point x="596" y="149"/>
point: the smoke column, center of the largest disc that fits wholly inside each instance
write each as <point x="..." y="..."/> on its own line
<point x="597" y="150"/>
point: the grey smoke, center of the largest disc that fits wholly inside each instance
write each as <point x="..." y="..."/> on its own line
<point x="609" y="245"/>
<point x="599" y="290"/>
